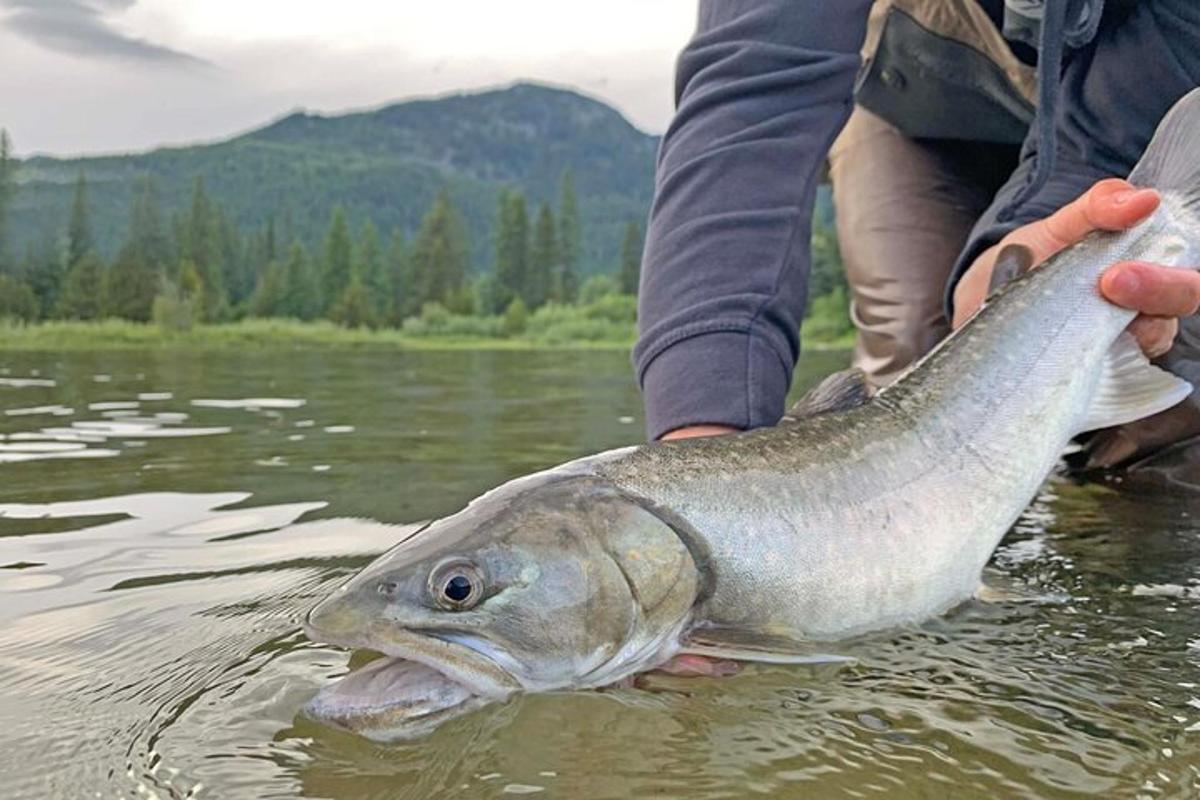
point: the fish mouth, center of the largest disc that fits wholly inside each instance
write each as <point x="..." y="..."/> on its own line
<point x="421" y="681"/>
<point x="391" y="699"/>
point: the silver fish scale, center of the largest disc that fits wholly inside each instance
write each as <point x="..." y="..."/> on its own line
<point x="884" y="514"/>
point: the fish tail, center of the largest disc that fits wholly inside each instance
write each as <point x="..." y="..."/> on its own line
<point x="1171" y="163"/>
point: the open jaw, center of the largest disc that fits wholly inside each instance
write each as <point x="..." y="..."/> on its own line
<point x="392" y="698"/>
<point x="420" y="683"/>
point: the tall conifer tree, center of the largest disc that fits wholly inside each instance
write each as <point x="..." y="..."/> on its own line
<point x="130" y="284"/>
<point x="440" y="257"/>
<point x="400" y="268"/>
<point x="570" y="241"/>
<point x="80" y="297"/>
<point x="543" y="261"/>
<point x="338" y="264"/>
<point x="512" y="249"/>
<point x="631" y="259"/>
<point x="79" y="231"/>
<point x="201" y="247"/>
<point x="375" y="275"/>
<point x="301" y="294"/>
<point x="270" y="296"/>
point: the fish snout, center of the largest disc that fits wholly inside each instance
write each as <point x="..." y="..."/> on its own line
<point x="341" y="619"/>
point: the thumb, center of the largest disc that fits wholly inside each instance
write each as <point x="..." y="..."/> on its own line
<point x="1111" y="205"/>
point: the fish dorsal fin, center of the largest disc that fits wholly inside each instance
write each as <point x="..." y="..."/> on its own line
<point x="841" y="391"/>
<point x="1130" y="387"/>
<point x="739" y="644"/>
<point x="1013" y="261"/>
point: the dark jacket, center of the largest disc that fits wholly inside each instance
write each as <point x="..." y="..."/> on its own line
<point x="762" y="90"/>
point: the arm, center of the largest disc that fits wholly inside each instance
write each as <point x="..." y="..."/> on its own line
<point x="762" y="89"/>
<point x="1112" y="95"/>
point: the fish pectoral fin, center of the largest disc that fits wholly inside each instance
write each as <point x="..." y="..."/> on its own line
<point x="840" y="391"/>
<point x="1130" y="388"/>
<point x="738" y="644"/>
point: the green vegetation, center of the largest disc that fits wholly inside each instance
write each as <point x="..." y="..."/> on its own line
<point x="112" y="334"/>
<point x="197" y="273"/>
<point x="631" y="259"/>
<point x="385" y="165"/>
<point x="199" y="270"/>
<point x="827" y="322"/>
<point x="7" y="167"/>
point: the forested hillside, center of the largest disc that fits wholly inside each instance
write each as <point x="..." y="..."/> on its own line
<point x="512" y="212"/>
<point x="386" y="166"/>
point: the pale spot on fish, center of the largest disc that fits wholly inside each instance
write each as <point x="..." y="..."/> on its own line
<point x="522" y="788"/>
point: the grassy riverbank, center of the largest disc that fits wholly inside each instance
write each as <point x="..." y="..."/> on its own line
<point x="122" y="335"/>
<point x="606" y="323"/>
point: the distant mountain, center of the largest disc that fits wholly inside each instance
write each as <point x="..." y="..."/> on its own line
<point x="386" y="165"/>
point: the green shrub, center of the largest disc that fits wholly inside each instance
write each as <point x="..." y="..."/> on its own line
<point x="435" y="320"/>
<point x="17" y="300"/>
<point x="828" y="320"/>
<point x="597" y="287"/>
<point x="515" y="317"/>
<point x="353" y="309"/>
<point x="172" y="310"/>
<point x="618" y="308"/>
<point x="610" y="319"/>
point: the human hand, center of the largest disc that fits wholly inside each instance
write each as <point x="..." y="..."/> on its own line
<point x="693" y="665"/>
<point x="1159" y="294"/>
<point x="694" y="431"/>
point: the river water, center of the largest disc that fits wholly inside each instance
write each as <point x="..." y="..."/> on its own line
<point x="167" y="518"/>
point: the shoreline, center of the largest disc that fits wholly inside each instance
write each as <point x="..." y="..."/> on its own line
<point x="277" y="333"/>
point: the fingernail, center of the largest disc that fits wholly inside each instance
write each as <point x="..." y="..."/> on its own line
<point x="1124" y="282"/>
<point x="1124" y="196"/>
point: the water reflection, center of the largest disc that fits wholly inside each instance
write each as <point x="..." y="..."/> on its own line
<point x="117" y="627"/>
<point x="151" y="606"/>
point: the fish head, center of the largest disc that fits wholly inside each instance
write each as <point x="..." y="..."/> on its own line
<point x="545" y="583"/>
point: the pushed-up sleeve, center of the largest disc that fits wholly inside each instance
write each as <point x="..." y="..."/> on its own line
<point x="762" y="89"/>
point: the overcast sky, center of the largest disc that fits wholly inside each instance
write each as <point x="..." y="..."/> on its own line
<point x="87" y="76"/>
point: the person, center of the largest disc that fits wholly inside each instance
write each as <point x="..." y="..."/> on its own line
<point x="928" y="184"/>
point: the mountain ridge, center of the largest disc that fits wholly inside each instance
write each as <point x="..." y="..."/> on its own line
<point x="384" y="164"/>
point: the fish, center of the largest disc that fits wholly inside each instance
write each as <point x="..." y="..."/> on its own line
<point x="858" y="512"/>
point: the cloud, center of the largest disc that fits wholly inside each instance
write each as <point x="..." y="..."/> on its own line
<point x="79" y="27"/>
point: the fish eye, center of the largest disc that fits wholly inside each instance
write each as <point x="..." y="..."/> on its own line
<point x="456" y="585"/>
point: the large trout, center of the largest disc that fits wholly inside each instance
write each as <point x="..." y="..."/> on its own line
<point x="849" y="515"/>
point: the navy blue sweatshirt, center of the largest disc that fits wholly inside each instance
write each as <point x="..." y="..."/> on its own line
<point x="762" y="89"/>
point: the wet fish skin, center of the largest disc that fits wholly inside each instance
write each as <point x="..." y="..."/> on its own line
<point x="755" y="545"/>
<point x="887" y="513"/>
<point x="581" y="581"/>
<point x="815" y="529"/>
